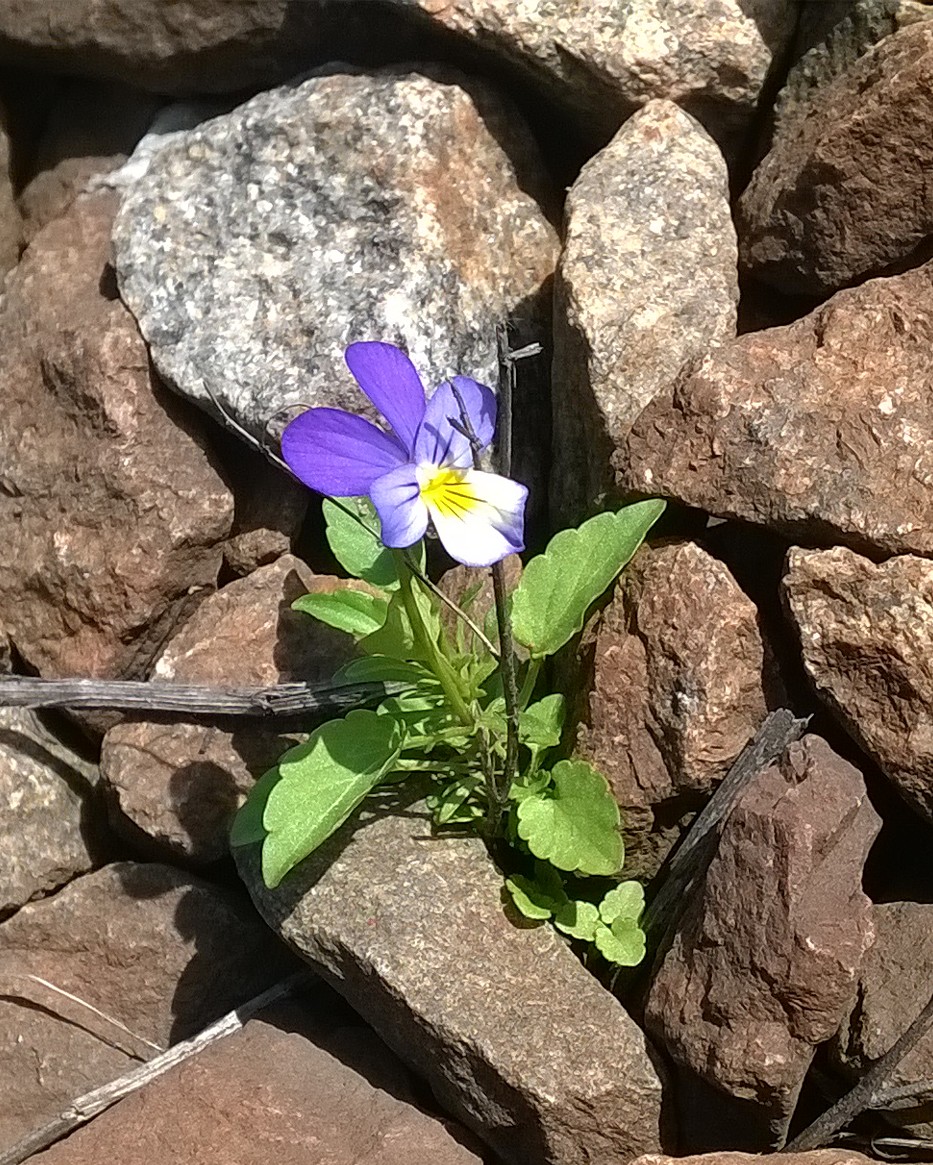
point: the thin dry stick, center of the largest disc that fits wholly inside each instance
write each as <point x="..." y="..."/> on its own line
<point x="91" y="1104"/>
<point x="862" y="1095"/>
<point x="20" y="993"/>
<point x="192" y="699"/>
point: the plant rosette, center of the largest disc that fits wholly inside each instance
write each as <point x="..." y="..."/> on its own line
<point x="463" y="710"/>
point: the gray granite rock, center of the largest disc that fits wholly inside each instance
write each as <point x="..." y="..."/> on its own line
<point x="647" y="284"/>
<point x="49" y="817"/>
<point x="516" y="1038"/>
<point x="350" y="207"/>
<point x="866" y="636"/>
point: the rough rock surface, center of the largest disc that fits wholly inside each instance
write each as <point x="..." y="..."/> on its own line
<point x="11" y="225"/>
<point x="646" y="285"/>
<point x="894" y="986"/>
<point x="111" y="513"/>
<point x="817" y="1157"/>
<point x="843" y="193"/>
<point x="413" y="932"/>
<point x="270" y="1092"/>
<point x="819" y="430"/>
<point x="680" y="683"/>
<point x="350" y="207"/>
<point x="178" y="783"/>
<point x="762" y="967"/>
<point x="830" y="38"/>
<point x="50" y="822"/>
<point x="866" y="633"/>
<point x="270" y="510"/>
<point x="163" y="953"/>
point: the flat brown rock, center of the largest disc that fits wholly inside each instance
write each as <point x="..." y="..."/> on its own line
<point x="163" y="953"/>
<point x="179" y="783"/>
<point x="514" y="1035"/>
<point x="111" y="512"/>
<point x="763" y="965"/>
<point x="844" y="192"/>
<point x="821" y="430"/>
<point x="866" y="634"/>
<point x="266" y="1093"/>
<point x="681" y="681"/>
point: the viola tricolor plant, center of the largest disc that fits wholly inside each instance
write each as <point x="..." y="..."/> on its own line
<point x="463" y="712"/>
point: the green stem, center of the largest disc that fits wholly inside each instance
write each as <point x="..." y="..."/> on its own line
<point x="531" y="678"/>
<point x="446" y="676"/>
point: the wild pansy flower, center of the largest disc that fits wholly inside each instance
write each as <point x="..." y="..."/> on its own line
<point x="421" y="468"/>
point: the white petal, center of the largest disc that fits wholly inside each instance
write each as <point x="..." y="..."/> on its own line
<point x="487" y="522"/>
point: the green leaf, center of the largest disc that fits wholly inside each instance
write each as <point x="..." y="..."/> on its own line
<point x="623" y="944"/>
<point x="453" y="805"/>
<point x="378" y="669"/>
<point x="247" y="826"/>
<point x="578" y="919"/>
<point x="625" y="902"/>
<point x="541" y="723"/>
<point x="352" y="611"/>
<point x="358" y="551"/>
<point x="321" y="783"/>
<point x="533" y="899"/>
<point x="529" y="785"/>
<point x="574" y="823"/>
<point x="394" y="637"/>
<point x="556" y="589"/>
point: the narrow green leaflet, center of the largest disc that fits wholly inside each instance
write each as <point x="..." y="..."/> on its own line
<point x="454" y="804"/>
<point x="556" y="588"/>
<point x="578" y="919"/>
<point x="624" y="902"/>
<point x="382" y="669"/>
<point x="321" y="783"/>
<point x="358" y="551"/>
<point x="623" y="943"/>
<point x="352" y="611"/>
<point x="574" y="823"/>
<point x="247" y="826"/>
<point x="395" y="636"/>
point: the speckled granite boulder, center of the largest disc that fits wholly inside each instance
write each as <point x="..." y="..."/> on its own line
<point x="350" y="207"/>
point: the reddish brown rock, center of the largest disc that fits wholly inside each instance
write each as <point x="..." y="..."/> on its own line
<point x="163" y="953"/>
<point x="268" y="1093"/>
<point x="818" y="1157"/>
<point x="763" y="965"/>
<point x="179" y="784"/>
<point x="821" y="430"/>
<point x="680" y="683"/>
<point x="844" y="192"/>
<point x="866" y="634"/>
<point x="270" y="510"/>
<point x="111" y="513"/>
<point x="893" y="988"/>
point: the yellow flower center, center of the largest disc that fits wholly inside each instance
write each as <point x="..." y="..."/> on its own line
<point x="448" y="491"/>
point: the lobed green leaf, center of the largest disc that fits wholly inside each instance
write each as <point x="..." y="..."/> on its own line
<point x="622" y="944"/>
<point x="624" y="902"/>
<point x="247" y="826"/>
<point x="556" y="589"/>
<point x="321" y="782"/>
<point x="578" y="919"/>
<point x="540" y="724"/>
<point x="574" y="823"/>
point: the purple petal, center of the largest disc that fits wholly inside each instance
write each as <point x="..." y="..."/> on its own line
<point x="338" y="453"/>
<point x="391" y="382"/>
<point x="397" y="498"/>
<point x="438" y="442"/>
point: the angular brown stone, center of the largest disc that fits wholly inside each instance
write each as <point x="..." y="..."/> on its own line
<point x="50" y="820"/>
<point x="680" y="683"/>
<point x="179" y="783"/>
<point x="763" y="965"/>
<point x="866" y="634"/>
<point x="821" y="430"/>
<point x="646" y="285"/>
<point x="893" y="988"/>
<point x="111" y="512"/>
<point x="163" y="953"/>
<point x="844" y="192"/>
<point x="515" y="1036"/>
